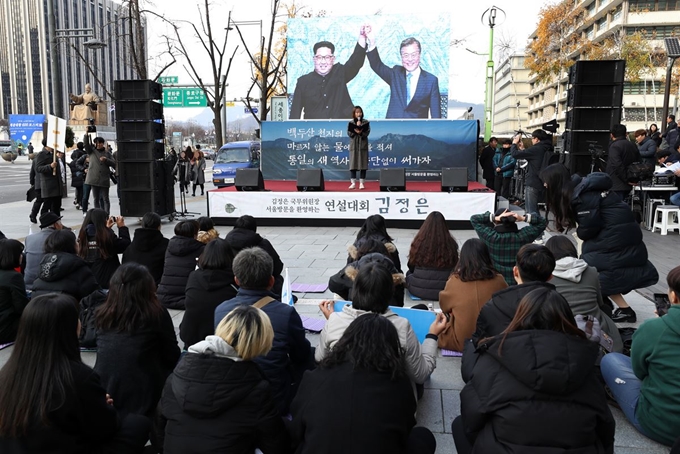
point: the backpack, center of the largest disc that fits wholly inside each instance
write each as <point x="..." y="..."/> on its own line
<point x="639" y="171"/>
<point x="88" y="307"/>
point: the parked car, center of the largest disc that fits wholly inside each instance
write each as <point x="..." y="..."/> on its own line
<point x="208" y="153"/>
<point x="233" y="156"/>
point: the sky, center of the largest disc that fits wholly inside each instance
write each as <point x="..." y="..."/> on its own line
<point x="466" y="72"/>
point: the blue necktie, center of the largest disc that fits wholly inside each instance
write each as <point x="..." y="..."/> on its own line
<point x="408" y="88"/>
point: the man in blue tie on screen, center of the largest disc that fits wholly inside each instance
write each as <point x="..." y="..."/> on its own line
<point x="414" y="92"/>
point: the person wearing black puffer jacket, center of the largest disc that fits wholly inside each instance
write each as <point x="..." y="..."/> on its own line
<point x="208" y="287"/>
<point x="612" y="239"/>
<point x="622" y="153"/>
<point x="148" y="246"/>
<point x="61" y="270"/>
<point x="533" y="388"/>
<point x="100" y="246"/>
<point x="534" y="155"/>
<point x="244" y="235"/>
<point x="180" y="260"/>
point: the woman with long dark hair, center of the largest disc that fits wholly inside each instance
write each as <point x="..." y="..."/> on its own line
<point x="232" y="409"/>
<point x="359" y="400"/>
<point x="136" y="343"/>
<point x="197" y="172"/>
<point x="374" y="228"/>
<point x="612" y="239"/>
<point x="49" y="400"/>
<point x="13" y="297"/>
<point x="207" y="287"/>
<point x="470" y="286"/>
<point x="182" y="169"/>
<point x="99" y="246"/>
<point x="180" y="260"/>
<point x="533" y="388"/>
<point x="61" y="270"/>
<point x="433" y="254"/>
<point x="655" y="134"/>
<point x="358" y="130"/>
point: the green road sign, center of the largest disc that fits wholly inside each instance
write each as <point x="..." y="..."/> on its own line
<point x="166" y="80"/>
<point x="184" y="97"/>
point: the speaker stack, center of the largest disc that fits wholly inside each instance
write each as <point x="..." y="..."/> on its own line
<point x="594" y="106"/>
<point x="144" y="176"/>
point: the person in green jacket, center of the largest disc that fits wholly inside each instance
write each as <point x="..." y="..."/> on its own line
<point x="645" y="385"/>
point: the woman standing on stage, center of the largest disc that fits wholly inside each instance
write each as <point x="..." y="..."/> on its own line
<point x="358" y="130"/>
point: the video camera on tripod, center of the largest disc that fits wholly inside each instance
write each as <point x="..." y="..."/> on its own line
<point x="597" y="155"/>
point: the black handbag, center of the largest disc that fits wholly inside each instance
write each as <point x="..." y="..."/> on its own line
<point x="31" y="194"/>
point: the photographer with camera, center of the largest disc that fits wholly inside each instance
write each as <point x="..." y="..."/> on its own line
<point x="504" y="239"/>
<point x="534" y="155"/>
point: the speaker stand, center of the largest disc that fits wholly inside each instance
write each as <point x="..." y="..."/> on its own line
<point x="183" y="213"/>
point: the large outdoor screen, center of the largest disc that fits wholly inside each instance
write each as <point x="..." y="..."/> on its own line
<point x="392" y="66"/>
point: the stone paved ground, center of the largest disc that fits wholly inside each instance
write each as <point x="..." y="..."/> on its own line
<point x="311" y="256"/>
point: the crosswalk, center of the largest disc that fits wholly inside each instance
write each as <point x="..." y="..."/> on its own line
<point x="15" y="174"/>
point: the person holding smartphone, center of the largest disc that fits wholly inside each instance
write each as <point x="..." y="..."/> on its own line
<point x="358" y="130"/>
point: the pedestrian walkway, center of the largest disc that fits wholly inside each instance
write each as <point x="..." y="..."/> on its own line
<point x="311" y="256"/>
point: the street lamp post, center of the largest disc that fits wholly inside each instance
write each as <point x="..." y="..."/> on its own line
<point x="488" y="93"/>
<point x="673" y="52"/>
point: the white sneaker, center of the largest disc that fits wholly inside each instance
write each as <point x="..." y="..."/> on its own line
<point x="361" y="186"/>
<point x="84" y="214"/>
<point x="352" y="186"/>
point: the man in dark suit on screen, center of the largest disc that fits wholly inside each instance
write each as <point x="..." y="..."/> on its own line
<point x="323" y="93"/>
<point x="414" y="92"/>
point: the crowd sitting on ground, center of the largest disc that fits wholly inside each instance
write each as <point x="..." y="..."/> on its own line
<point x="538" y="336"/>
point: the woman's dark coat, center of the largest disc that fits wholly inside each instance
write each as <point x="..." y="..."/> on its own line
<point x="77" y="172"/>
<point x="13" y="300"/>
<point x="133" y="366"/>
<point x="343" y="410"/>
<point x="216" y="404"/>
<point x="103" y="268"/>
<point x="148" y="248"/>
<point x="612" y="240"/>
<point x="539" y="395"/>
<point x="180" y="261"/>
<point x="84" y="421"/>
<point x="426" y="283"/>
<point x="206" y="289"/>
<point x="61" y="272"/>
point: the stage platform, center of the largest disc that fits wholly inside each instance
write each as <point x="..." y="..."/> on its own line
<point x="282" y="204"/>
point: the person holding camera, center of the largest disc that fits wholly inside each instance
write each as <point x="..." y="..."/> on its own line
<point x="98" y="175"/>
<point x="100" y="246"/>
<point x="504" y="239"/>
<point x="534" y="155"/>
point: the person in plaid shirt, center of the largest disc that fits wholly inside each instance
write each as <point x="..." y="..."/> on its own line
<point x="500" y="233"/>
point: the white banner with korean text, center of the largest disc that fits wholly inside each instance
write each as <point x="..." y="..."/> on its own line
<point x="349" y="205"/>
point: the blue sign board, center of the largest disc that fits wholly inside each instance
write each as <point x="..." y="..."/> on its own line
<point x="421" y="147"/>
<point x="23" y="127"/>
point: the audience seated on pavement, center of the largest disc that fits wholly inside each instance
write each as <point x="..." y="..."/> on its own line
<point x="612" y="239"/>
<point x="374" y="228"/>
<point x="500" y="233"/>
<point x="433" y="255"/>
<point x="291" y="354"/>
<point x="217" y="400"/>
<point x="471" y="285"/>
<point x="371" y="250"/>
<point x="136" y="342"/>
<point x="100" y="246"/>
<point x="49" y="400"/>
<point x="358" y="400"/>
<point x="180" y="260"/>
<point x="148" y="246"/>
<point x="13" y="297"/>
<point x="533" y="387"/>
<point x="244" y="235"/>
<point x="533" y="270"/>
<point x="579" y="284"/>
<point x="372" y="289"/>
<point x="645" y="385"/>
<point x="35" y="246"/>
<point x="206" y="230"/>
<point x="61" y="270"/>
<point x="208" y="286"/>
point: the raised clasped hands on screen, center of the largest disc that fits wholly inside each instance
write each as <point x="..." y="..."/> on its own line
<point x="367" y="37"/>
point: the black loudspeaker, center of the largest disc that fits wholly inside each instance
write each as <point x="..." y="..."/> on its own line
<point x="580" y="164"/>
<point x="249" y="180"/>
<point x="595" y="96"/>
<point x="137" y="89"/>
<point x="138" y="197"/>
<point x="140" y="110"/>
<point x="310" y="180"/>
<point x="594" y="72"/>
<point x="140" y="151"/>
<point x="454" y="179"/>
<point x="140" y="131"/>
<point x="593" y="119"/>
<point x="581" y="142"/>
<point x="393" y="180"/>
